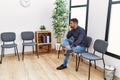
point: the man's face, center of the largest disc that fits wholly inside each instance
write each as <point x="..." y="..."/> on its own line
<point x="72" y="24"/>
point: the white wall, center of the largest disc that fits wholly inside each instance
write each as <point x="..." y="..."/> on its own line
<point x="14" y="17"/>
<point x="96" y="28"/>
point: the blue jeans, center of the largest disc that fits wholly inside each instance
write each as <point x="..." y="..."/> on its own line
<point x="77" y="49"/>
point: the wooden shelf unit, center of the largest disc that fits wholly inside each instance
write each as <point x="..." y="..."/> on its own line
<point x="43" y="40"/>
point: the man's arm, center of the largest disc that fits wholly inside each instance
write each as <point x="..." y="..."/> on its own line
<point x="78" y="41"/>
<point x="69" y="35"/>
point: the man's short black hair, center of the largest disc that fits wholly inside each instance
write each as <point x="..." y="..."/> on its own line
<point x="74" y="20"/>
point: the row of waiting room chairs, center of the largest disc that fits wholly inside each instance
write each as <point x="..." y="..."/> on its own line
<point x="99" y="46"/>
<point x="8" y="39"/>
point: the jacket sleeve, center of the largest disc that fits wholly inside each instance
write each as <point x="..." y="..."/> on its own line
<point x="80" y="38"/>
<point x="69" y="35"/>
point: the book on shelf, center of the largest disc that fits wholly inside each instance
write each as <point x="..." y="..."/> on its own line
<point x="48" y="39"/>
<point x="45" y="39"/>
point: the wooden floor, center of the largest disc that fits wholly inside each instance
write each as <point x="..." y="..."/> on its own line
<point x="44" y="68"/>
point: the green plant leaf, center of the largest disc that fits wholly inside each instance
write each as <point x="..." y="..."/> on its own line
<point x="60" y="17"/>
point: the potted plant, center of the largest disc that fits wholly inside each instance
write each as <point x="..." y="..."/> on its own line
<point x="42" y="27"/>
<point x="60" y="19"/>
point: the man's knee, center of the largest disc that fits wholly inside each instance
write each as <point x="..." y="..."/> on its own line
<point x="78" y="49"/>
<point x="65" y="43"/>
<point x="68" y="47"/>
<point x="66" y="39"/>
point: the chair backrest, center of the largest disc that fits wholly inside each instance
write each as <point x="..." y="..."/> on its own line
<point x="8" y="36"/>
<point x="88" y="41"/>
<point x="100" y="46"/>
<point x="27" y="35"/>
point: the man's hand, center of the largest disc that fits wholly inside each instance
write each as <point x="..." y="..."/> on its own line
<point x="68" y="47"/>
<point x="69" y="28"/>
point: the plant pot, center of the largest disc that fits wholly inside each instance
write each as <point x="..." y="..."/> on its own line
<point x="42" y="30"/>
<point x="59" y="39"/>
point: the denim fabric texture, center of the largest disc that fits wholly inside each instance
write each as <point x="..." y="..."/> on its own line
<point x="77" y="49"/>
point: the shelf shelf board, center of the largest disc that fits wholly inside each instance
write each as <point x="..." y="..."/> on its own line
<point x="43" y="43"/>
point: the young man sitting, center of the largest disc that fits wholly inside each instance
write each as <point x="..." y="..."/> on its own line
<point x="77" y="45"/>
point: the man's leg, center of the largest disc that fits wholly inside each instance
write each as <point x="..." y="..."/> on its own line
<point x="66" y="58"/>
<point x="67" y="44"/>
<point x="76" y="49"/>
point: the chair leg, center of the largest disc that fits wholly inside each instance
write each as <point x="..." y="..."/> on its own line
<point x="90" y="64"/>
<point x="3" y="52"/>
<point x="15" y="50"/>
<point x="36" y="52"/>
<point x="59" y="52"/>
<point x="104" y="67"/>
<point x="89" y="70"/>
<point x="72" y="55"/>
<point x="81" y="59"/>
<point x="17" y="53"/>
<point x="23" y="53"/>
<point x="78" y="63"/>
<point x="95" y="63"/>
<point x="33" y="49"/>
<point x="1" y="56"/>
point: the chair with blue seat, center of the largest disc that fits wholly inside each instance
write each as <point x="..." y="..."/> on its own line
<point x="99" y="46"/>
<point x="88" y="43"/>
<point x="27" y="37"/>
<point x="8" y="39"/>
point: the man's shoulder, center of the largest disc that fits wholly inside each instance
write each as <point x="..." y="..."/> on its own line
<point x="80" y="28"/>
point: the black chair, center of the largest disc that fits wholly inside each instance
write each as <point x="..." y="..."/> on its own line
<point x="99" y="46"/>
<point x="8" y="39"/>
<point x="27" y="37"/>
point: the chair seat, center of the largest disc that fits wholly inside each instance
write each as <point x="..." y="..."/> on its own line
<point x="90" y="56"/>
<point x="8" y="45"/>
<point x="79" y="53"/>
<point x="28" y="43"/>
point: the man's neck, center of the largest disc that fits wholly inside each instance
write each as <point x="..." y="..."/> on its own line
<point x="75" y="26"/>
